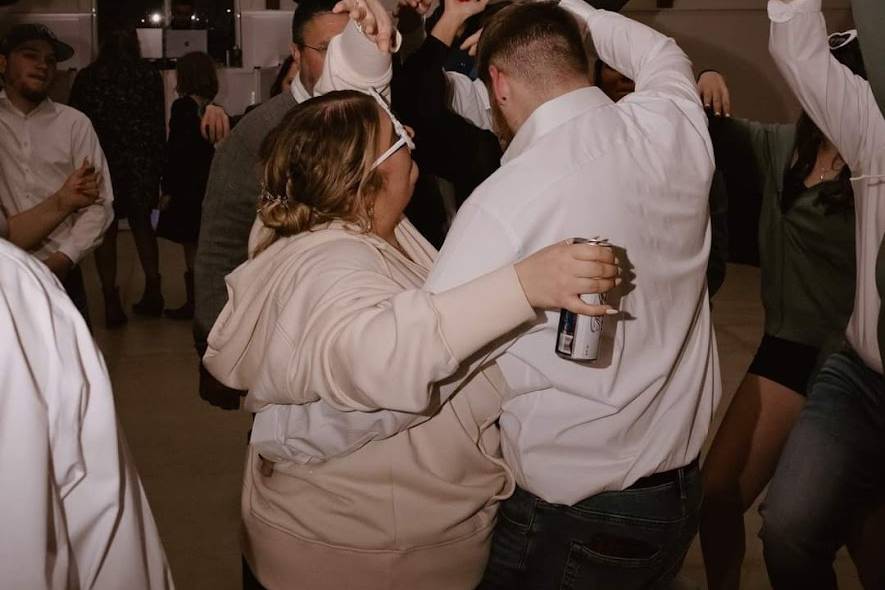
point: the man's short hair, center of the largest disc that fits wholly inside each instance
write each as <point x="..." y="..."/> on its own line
<point x="306" y="10"/>
<point x="537" y="41"/>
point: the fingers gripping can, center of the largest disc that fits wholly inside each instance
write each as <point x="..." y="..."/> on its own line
<point x="578" y="336"/>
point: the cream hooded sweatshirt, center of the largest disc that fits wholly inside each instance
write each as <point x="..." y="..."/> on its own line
<point x="337" y="318"/>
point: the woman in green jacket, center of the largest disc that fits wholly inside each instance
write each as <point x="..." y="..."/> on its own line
<point x="807" y="259"/>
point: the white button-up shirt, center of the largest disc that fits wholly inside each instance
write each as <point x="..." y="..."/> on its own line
<point x="844" y="108"/>
<point x="38" y="152"/>
<point x="72" y="509"/>
<point x="638" y="173"/>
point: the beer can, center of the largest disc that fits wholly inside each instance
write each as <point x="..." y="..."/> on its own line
<point x="577" y="338"/>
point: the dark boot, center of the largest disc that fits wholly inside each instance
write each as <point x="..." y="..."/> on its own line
<point x="186" y="311"/>
<point x="151" y="303"/>
<point x="114" y="316"/>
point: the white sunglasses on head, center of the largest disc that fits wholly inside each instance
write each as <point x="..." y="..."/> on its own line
<point x="404" y="138"/>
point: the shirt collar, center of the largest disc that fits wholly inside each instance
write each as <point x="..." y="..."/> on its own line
<point x="299" y="91"/>
<point x="7" y="104"/>
<point x="551" y="115"/>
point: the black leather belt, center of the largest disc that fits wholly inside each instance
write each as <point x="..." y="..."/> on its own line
<point x="664" y="477"/>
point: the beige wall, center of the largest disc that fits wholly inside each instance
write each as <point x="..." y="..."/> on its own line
<point x="53" y="6"/>
<point x="732" y="37"/>
<point x="728" y="35"/>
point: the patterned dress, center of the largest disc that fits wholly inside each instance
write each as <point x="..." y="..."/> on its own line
<point x="124" y="100"/>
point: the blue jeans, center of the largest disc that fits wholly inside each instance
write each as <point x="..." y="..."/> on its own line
<point x="635" y="538"/>
<point x="830" y="475"/>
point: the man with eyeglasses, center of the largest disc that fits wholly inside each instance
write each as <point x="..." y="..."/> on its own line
<point x="52" y="187"/>
<point x="347" y="48"/>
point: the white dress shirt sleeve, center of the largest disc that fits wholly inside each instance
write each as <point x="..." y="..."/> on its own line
<point x="91" y="222"/>
<point x="470" y="99"/>
<point x="653" y="61"/>
<point x="840" y="103"/>
<point x="73" y="510"/>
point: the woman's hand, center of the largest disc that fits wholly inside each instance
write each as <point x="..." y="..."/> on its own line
<point x="372" y="19"/>
<point x="557" y="276"/>
<point x="714" y="93"/>
<point x="421" y="7"/>
<point x="455" y="14"/>
<point x="471" y="43"/>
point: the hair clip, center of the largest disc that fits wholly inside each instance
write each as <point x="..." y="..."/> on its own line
<point x="269" y="198"/>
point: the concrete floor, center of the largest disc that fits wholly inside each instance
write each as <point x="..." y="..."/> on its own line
<point x="190" y="455"/>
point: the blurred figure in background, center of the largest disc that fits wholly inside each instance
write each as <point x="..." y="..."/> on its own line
<point x="287" y="73"/>
<point x="188" y="159"/>
<point x="123" y="96"/>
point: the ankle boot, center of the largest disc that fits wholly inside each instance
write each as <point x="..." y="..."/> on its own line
<point x="186" y="311"/>
<point x="151" y="303"/>
<point x="114" y="316"/>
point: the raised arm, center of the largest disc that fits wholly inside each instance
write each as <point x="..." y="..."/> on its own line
<point x="652" y="60"/>
<point x="360" y="57"/>
<point x="840" y="103"/>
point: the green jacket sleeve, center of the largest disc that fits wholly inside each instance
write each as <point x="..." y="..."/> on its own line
<point x="870" y="18"/>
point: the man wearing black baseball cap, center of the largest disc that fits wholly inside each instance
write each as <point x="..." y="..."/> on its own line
<point x="25" y="33"/>
<point x="49" y="152"/>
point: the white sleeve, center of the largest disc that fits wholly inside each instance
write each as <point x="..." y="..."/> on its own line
<point x="470" y="99"/>
<point x="653" y="61"/>
<point x="353" y="62"/>
<point x="91" y="222"/>
<point x="68" y="488"/>
<point x="840" y="103"/>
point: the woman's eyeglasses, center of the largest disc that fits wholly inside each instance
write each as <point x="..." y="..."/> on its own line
<point x="404" y="138"/>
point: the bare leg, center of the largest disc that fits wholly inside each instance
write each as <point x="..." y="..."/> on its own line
<point x="106" y="259"/>
<point x="186" y="311"/>
<point x="151" y="303"/>
<point x="145" y="243"/>
<point x="740" y="464"/>
<point x="106" y="264"/>
<point x="190" y="254"/>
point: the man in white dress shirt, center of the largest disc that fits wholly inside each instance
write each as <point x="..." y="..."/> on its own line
<point x="42" y="144"/>
<point x="73" y="514"/>
<point x="604" y="453"/>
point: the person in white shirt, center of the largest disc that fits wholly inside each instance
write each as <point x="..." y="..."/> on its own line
<point x="600" y="449"/>
<point x="72" y="509"/>
<point x="831" y="475"/>
<point x="41" y="145"/>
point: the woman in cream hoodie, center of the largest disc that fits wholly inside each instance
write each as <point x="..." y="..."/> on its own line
<point x="328" y="319"/>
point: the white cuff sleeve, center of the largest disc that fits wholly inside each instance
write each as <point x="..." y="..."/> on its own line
<point x="780" y="11"/>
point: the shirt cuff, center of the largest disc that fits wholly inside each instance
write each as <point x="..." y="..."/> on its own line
<point x="478" y="312"/>
<point x="71" y="251"/>
<point x="781" y="12"/>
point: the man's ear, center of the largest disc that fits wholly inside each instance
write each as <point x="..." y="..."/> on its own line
<point x="296" y="52"/>
<point x="500" y="85"/>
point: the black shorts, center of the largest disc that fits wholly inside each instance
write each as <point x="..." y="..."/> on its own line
<point x="788" y="363"/>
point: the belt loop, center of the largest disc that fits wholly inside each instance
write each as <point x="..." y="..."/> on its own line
<point x="683" y="495"/>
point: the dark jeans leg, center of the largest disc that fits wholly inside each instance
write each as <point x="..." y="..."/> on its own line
<point x="635" y="538"/>
<point x="831" y="473"/>
<point x="76" y="290"/>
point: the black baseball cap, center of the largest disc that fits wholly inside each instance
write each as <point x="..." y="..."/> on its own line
<point x="20" y="34"/>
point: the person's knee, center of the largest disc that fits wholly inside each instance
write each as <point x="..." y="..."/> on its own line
<point x="787" y="535"/>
